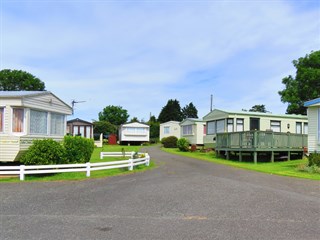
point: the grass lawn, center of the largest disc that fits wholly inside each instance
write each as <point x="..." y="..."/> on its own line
<point x="286" y="168"/>
<point x="94" y="174"/>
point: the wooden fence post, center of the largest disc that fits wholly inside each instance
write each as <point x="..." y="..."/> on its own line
<point x="130" y="168"/>
<point x="148" y="160"/>
<point x="22" y="172"/>
<point x="88" y="169"/>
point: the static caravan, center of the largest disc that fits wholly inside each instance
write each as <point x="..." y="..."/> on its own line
<point x="194" y="130"/>
<point x="314" y="125"/>
<point x="134" y="133"/>
<point x="219" y="121"/>
<point x="171" y="128"/>
<point x="29" y="115"/>
<point x="79" y="127"/>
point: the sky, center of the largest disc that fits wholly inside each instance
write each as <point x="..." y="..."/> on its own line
<point x="140" y="54"/>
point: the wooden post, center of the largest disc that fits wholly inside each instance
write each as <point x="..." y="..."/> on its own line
<point x="227" y="155"/>
<point x="272" y="156"/>
<point x="22" y="172"/>
<point x="88" y="169"/>
<point x="289" y="156"/>
<point x="130" y="168"/>
<point x="240" y="156"/>
<point x="255" y="157"/>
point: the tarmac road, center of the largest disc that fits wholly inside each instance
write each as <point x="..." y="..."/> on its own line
<point x="182" y="198"/>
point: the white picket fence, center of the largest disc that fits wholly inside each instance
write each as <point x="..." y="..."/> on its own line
<point x="23" y="170"/>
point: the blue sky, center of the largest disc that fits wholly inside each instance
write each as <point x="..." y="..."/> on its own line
<point x="140" y="54"/>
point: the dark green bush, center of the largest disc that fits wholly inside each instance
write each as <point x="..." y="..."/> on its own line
<point x="183" y="144"/>
<point x="169" y="142"/>
<point x="314" y="159"/>
<point x="78" y="149"/>
<point x="44" y="152"/>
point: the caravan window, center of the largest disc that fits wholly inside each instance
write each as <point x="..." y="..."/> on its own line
<point x="57" y="124"/>
<point x="187" y="130"/>
<point x="230" y="124"/>
<point x="38" y="122"/>
<point x="211" y="127"/>
<point x="18" y="120"/>
<point x="166" y="130"/>
<point x="239" y="125"/>
<point x="299" y="127"/>
<point x="275" y="126"/>
<point x="305" y="128"/>
<point x="1" y="119"/>
<point x="220" y="126"/>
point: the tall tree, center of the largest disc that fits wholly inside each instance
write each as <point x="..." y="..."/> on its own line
<point x="134" y="119"/>
<point x="154" y="128"/>
<point x="171" y="112"/>
<point x="104" y="127"/>
<point x="258" y="108"/>
<point x="18" y="80"/>
<point x="305" y="86"/>
<point x="115" y="115"/>
<point x="190" y="111"/>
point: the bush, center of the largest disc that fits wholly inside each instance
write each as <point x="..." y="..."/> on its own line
<point x="44" y="152"/>
<point x="169" y="142"/>
<point x="193" y="147"/>
<point x="314" y="159"/>
<point x="183" y="144"/>
<point x="78" y="149"/>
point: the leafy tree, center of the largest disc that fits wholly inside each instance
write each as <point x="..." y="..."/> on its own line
<point x="104" y="127"/>
<point x="171" y="112"/>
<point x="305" y="86"/>
<point x="115" y="115"/>
<point x="190" y="111"/>
<point x="258" y="108"/>
<point x="154" y="128"/>
<point x="134" y="119"/>
<point x="18" y="80"/>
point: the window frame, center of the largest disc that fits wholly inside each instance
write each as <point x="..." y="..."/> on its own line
<point x="240" y="124"/>
<point x="23" y="121"/>
<point x="275" y="123"/>
<point x="299" y="125"/>
<point x="52" y="118"/>
<point x="46" y="122"/>
<point x="1" y="119"/>
<point x="209" y="127"/>
<point x="187" y="128"/>
<point x="166" y="130"/>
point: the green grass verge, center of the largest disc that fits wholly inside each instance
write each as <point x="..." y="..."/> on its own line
<point x="94" y="174"/>
<point x="285" y="168"/>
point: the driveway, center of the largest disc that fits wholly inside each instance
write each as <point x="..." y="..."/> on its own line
<point x="182" y="198"/>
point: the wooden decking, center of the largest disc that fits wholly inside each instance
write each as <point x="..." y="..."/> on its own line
<point x="261" y="142"/>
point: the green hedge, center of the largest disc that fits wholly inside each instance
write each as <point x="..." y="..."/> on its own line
<point x="44" y="152"/>
<point x="48" y="152"/>
<point x="78" y="149"/>
<point x="314" y="159"/>
<point x="169" y="142"/>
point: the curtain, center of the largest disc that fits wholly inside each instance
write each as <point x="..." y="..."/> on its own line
<point x="17" y="120"/>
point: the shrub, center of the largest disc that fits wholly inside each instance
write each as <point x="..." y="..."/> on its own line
<point x="78" y="149"/>
<point x="169" y="142"/>
<point x="183" y="144"/>
<point x="193" y="147"/>
<point x="44" y="152"/>
<point x="163" y="140"/>
<point x="314" y="159"/>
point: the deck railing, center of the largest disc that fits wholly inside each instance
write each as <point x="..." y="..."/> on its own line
<point x="261" y="140"/>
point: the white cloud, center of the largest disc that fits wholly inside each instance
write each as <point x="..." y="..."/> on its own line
<point x="139" y="55"/>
